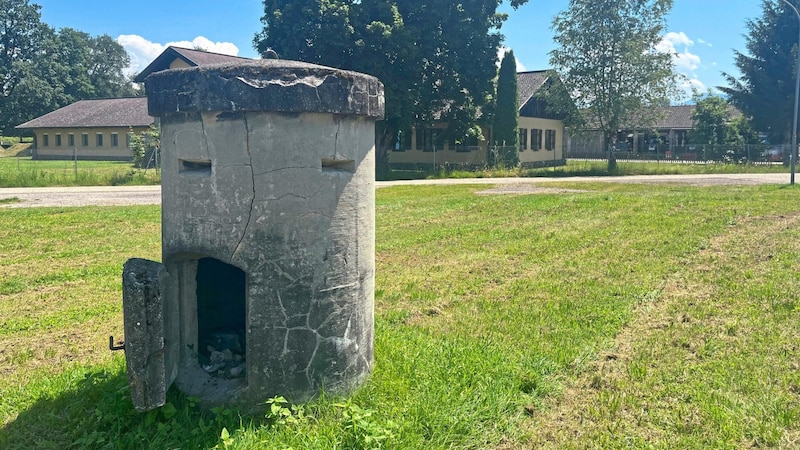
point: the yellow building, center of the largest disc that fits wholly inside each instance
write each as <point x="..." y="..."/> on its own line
<point x="90" y="129"/>
<point x="101" y="129"/>
<point x="541" y="135"/>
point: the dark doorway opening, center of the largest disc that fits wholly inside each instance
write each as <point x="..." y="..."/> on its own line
<point x="221" y="318"/>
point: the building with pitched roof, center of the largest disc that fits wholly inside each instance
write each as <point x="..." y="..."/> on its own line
<point x="541" y="135"/>
<point x="101" y="129"/>
<point x="669" y="135"/>
<point x="177" y="58"/>
<point x="89" y="129"/>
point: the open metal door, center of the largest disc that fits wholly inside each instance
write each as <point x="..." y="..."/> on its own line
<point x="146" y="350"/>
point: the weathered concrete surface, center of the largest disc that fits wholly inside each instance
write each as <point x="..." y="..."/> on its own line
<point x="145" y="353"/>
<point x="265" y="85"/>
<point x="287" y="196"/>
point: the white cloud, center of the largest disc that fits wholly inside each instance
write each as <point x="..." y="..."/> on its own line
<point x="672" y="39"/>
<point x="704" y="42"/>
<point x="678" y="45"/>
<point x="501" y="51"/>
<point x="693" y="84"/>
<point x="142" y="52"/>
<point x="687" y="61"/>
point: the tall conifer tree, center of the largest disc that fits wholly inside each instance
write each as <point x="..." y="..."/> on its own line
<point x="505" y="127"/>
<point x="765" y="90"/>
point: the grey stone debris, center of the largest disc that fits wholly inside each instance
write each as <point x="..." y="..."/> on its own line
<point x="268" y="241"/>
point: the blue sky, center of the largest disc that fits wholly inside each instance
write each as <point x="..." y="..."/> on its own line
<point x="703" y="32"/>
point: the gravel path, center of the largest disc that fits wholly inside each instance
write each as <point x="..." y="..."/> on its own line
<point x="81" y="196"/>
<point x="151" y="195"/>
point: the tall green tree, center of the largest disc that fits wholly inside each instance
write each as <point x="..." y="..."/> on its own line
<point x="765" y="89"/>
<point x="607" y="59"/>
<point x="712" y="122"/>
<point x="21" y="37"/>
<point x="106" y="61"/>
<point x="505" y="127"/>
<point x="42" y="70"/>
<point x="71" y="59"/>
<point x="435" y="58"/>
<point x="719" y="129"/>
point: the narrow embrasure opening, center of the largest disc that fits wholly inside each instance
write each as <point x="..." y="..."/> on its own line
<point x="221" y="317"/>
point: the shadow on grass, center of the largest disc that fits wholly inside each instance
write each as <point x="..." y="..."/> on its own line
<point x="96" y="412"/>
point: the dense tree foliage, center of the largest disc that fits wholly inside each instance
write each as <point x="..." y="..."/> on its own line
<point x="713" y="122"/>
<point x="505" y="127"/>
<point x="720" y="129"/>
<point x="146" y="147"/>
<point x="765" y="90"/>
<point x="437" y="59"/>
<point x="42" y="70"/>
<point x="606" y="56"/>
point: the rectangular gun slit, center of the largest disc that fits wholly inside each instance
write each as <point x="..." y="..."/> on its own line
<point x="338" y="165"/>
<point x="195" y="166"/>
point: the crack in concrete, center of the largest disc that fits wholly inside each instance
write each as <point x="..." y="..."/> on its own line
<point x="309" y="368"/>
<point x="253" y="181"/>
<point x="336" y="137"/>
<point x="281" y="272"/>
<point x="291" y="194"/>
<point x="343" y="286"/>
<point x="283" y="309"/>
<point x="336" y="311"/>
<point x="282" y="169"/>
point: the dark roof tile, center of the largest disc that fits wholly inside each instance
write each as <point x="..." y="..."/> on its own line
<point x="110" y="112"/>
<point x="529" y="83"/>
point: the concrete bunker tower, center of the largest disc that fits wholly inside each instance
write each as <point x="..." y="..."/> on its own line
<point x="268" y="236"/>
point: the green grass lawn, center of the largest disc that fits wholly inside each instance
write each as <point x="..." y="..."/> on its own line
<point x="623" y="316"/>
<point x="578" y="167"/>
<point x="26" y="172"/>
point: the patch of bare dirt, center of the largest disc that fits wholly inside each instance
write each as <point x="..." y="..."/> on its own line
<point x="525" y="189"/>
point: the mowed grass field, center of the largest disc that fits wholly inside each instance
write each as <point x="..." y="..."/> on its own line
<point x="604" y="316"/>
<point x="26" y="172"/>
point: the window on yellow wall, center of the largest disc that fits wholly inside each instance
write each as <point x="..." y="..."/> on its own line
<point x="58" y="139"/>
<point x="428" y="140"/>
<point x="550" y="139"/>
<point x="99" y="139"/>
<point x="523" y="139"/>
<point x="402" y="141"/>
<point x="114" y="140"/>
<point x="406" y="136"/>
<point x="45" y="140"/>
<point x="85" y="139"/>
<point x="71" y="139"/>
<point x="536" y="139"/>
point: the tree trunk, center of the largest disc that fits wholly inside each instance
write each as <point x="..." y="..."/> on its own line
<point x="383" y="145"/>
<point x="611" y="142"/>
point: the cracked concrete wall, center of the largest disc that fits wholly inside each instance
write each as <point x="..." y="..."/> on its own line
<point x="285" y="194"/>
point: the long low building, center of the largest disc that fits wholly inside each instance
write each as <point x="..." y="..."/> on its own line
<point x="101" y="129"/>
<point x="90" y="129"/>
